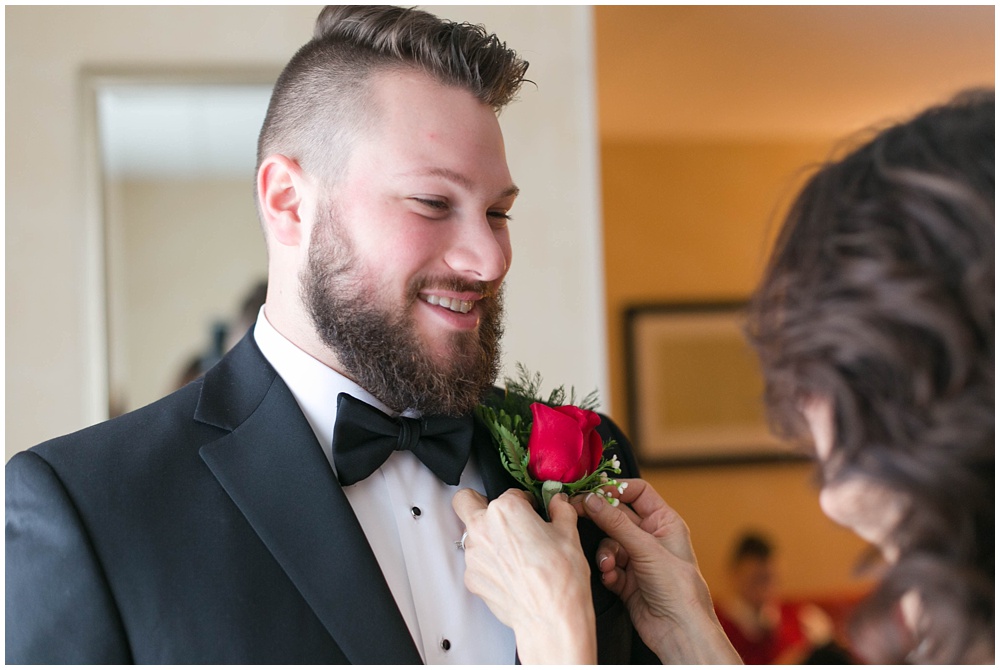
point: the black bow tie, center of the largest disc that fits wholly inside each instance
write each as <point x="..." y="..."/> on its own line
<point x="364" y="437"/>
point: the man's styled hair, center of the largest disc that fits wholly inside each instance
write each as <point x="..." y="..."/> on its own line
<point x="880" y="297"/>
<point x="322" y="100"/>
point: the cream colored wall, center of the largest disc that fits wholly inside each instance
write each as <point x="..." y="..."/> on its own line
<point x="56" y="368"/>
<point x="183" y="272"/>
<point x="56" y="377"/>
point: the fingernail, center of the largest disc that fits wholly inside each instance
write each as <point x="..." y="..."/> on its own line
<point x="593" y="502"/>
<point x="563" y="496"/>
<point x="602" y="559"/>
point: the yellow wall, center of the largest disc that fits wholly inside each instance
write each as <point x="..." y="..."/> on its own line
<point x="707" y="117"/>
<point x="689" y="221"/>
<point x="692" y="221"/>
<point x="816" y="558"/>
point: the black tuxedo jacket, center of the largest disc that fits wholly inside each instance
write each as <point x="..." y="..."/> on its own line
<point x="209" y="528"/>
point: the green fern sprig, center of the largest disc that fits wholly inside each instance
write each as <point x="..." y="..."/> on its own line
<point x="526" y="389"/>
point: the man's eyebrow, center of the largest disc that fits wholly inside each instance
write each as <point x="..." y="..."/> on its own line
<point x="459" y="179"/>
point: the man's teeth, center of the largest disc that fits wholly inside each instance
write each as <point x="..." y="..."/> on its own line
<point x="454" y="304"/>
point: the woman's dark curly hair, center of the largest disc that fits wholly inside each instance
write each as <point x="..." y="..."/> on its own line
<point x="880" y="297"/>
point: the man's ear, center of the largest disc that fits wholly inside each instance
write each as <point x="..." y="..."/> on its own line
<point x="281" y="192"/>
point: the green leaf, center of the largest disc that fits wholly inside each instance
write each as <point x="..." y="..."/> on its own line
<point x="511" y="446"/>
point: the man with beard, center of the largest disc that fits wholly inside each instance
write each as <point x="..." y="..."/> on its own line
<point x="294" y="505"/>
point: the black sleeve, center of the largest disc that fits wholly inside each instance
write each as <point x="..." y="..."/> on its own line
<point x="58" y="605"/>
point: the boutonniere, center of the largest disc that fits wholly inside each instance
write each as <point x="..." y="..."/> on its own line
<point x="550" y="445"/>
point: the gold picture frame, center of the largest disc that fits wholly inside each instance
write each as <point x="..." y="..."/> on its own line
<point x="695" y="388"/>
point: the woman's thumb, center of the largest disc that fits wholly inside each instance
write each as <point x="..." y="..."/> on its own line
<point x="561" y="511"/>
<point x="612" y="520"/>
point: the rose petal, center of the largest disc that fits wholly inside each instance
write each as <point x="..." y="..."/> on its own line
<point x="555" y="446"/>
<point x="596" y="451"/>
<point x="587" y="421"/>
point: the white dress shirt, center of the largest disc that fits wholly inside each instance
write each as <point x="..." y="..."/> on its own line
<point x="406" y="514"/>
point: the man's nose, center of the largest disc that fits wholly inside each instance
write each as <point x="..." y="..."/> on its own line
<point x="479" y="252"/>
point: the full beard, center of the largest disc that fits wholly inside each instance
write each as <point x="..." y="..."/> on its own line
<point x="379" y="347"/>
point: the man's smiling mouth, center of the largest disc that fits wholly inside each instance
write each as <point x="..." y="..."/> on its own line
<point x="453" y="304"/>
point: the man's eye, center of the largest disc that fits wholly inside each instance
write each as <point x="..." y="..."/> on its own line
<point x="498" y="215"/>
<point x="436" y="205"/>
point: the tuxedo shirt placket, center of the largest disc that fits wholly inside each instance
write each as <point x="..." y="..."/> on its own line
<point x="405" y="513"/>
<point x="455" y="625"/>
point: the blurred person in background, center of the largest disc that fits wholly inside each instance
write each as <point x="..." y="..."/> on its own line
<point x="224" y="336"/>
<point x="764" y="628"/>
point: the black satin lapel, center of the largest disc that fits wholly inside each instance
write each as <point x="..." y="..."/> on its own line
<point x="274" y="470"/>
<point x="235" y="386"/>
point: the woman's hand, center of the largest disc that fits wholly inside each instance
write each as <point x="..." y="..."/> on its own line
<point x="647" y="560"/>
<point x="531" y="573"/>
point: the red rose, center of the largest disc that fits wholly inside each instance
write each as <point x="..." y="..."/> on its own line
<point x="563" y="446"/>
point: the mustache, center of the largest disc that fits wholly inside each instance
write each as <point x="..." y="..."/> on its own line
<point x="452" y="283"/>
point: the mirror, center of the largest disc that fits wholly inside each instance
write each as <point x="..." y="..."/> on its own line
<point x="185" y="258"/>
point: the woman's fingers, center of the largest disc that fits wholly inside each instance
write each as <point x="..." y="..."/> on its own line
<point x="467" y="503"/>
<point x="611" y="556"/>
<point x="612" y="559"/>
<point x="641" y="496"/>
<point x="657" y="518"/>
<point x="613" y="520"/>
<point x="561" y="512"/>
<point x="607" y="555"/>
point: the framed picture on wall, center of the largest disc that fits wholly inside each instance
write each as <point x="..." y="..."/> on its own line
<point x="695" y="388"/>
